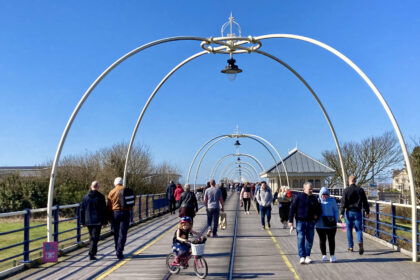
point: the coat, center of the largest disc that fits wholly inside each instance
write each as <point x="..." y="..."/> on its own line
<point x="93" y="211"/>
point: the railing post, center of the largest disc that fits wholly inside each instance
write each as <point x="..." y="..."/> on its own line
<point x="56" y="217"/>
<point x="153" y="204"/>
<point x="139" y="207"/>
<point x="147" y="206"/>
<point x="79" y="225"/>
<point x="26" y="236"/>
<point x="393" y="212"/>
<point x="377" y="219"/>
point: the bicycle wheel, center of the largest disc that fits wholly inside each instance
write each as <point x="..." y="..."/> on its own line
<point x="174" y="269"/>
<point x="200" y="267"/>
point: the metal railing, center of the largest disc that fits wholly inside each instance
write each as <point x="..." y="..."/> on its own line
<point x="389" y="227"/>
<point x="147" y="206"/>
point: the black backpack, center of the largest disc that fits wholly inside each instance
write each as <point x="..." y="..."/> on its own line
<point x="127" y="198"/>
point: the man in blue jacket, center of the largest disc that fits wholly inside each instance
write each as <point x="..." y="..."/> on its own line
<point x="306" y="210"/>
<point x="93" y="215"/>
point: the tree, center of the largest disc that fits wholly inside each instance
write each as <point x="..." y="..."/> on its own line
<point x="368" y="160"/>
<point x="415" y="161"/>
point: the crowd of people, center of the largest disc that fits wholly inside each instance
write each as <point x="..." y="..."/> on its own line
<point x="311" y="213"/>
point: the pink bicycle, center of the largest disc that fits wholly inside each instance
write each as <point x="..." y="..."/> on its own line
<point x="200" y="264"/>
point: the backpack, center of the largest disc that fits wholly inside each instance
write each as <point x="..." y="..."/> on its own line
<point x="126" y="198"/>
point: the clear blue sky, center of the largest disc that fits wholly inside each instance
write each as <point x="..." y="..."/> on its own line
<point x="51" y="51"/>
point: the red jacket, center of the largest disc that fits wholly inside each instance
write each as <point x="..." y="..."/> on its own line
<point x="178" y="191"/>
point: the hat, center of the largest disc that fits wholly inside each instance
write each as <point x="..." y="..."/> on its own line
<point x="185" y="219"/>
<point x="118" y="181"/>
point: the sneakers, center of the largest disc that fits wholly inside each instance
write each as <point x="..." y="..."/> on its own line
<point x="209" y="233"/>
<point x="332" y="259"/>
<point x="92" y="258"/>
<point x="302" y="260"/>
<point x="269" y="225"/>
<point x="308" y="260"/>
<point x="350" y="249"/>
<point x="324" y="258"/>
<point x="361" y="250"/>
<point x="215" y="235"/>
<point x="284" y="225"/>
<point x="120" y="256"/>
<point x="263" y="228"/>
<point x="291" y="230"/>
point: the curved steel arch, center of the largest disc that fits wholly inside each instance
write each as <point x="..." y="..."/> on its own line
<point x="253" y="137"/>
<point x="245" y="171"/>
<point x="290" y="36"/>
<point x="239" y="163"/>
<point x="244" y="175"/>
<point x="214" y="169"/>
<point x="388" y="112"/>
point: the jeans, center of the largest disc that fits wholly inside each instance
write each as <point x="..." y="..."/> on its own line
<point x="265" y="211"/>
<point x="305" y="237"/>
<point x="172" y="206"/>
<point x="213" y="216"/>
<point x="121" y="223"/>
<point x="247" y="204"/>
<point x="354" y="219"/>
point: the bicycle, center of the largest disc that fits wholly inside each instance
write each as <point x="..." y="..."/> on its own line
<point x="200" y="264"/>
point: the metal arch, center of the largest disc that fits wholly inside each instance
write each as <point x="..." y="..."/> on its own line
<point x="281" y="159"/>
<point x="234" y="136"/>
<point x="244" y="174"/>
<point x="387" y="110"/>
<point x="223" y="173"/>
<point x="337" y="145"/>
<point x="79" y="106"/>
<point x="246" y="171"/>
<point x="214" y="169"/>
<point x="239" y="163"/>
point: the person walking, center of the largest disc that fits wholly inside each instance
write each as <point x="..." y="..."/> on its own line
<point x="353" y="200"/>
<point x="93" y="215"/>
<point x="120" y="216"/>
<point x="188" y="203"/>
<point x="326" y="227"/>
<point x="264" y="198"/>
<point x="306" y="210"/>
<point x="212" y="199"/>
<point x="177" y="194"/>
<point x="285" y="199"/>
<point x="170" y="195"/>
<point x="257" y="187"/>
<point x="246" y="196"/>
<point x="223" y="190"/>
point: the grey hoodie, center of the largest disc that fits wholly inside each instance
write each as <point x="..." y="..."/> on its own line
<point x="264" y="198"/>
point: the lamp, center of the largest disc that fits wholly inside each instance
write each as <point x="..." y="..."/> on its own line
<point x="231" y="69"/>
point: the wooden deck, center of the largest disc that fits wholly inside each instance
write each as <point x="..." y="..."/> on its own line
<point x="259" y="254"/>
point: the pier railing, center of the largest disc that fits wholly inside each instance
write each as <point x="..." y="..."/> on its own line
<point x="21" y="242"/>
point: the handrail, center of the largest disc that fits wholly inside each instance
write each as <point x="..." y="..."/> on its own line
<point x="152" y="205"/>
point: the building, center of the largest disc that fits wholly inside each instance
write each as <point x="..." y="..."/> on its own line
<point x="300" y="168"/>
<point x="24" y="171"/>
<point x="400" y="180"/>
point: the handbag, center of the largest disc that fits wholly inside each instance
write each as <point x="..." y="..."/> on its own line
<point x="329" y="221"/>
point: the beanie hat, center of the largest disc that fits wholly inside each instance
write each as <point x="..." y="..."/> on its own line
<point x="118" y="181"/>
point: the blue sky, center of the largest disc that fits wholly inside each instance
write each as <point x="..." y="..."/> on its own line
<point x="51" y="51"/>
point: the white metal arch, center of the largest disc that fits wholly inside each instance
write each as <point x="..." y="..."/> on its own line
<point x="244" y="171"/>
<point x="233" y="47"/>
<point x="253" y="137"/>
<point x="239" y="163"/>
<point x="216" y="166"/>
<point x="245" y="175"/>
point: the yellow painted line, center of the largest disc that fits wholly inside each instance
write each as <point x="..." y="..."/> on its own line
<point x="121" y="263"/>
<point x="283" y="255"/>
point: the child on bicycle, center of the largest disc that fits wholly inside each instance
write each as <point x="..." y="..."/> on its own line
<point x="181" y="246"/>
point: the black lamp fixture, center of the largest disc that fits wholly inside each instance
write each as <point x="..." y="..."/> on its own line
<point x="231" y="69"/>
<point x="237" y="143"/>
